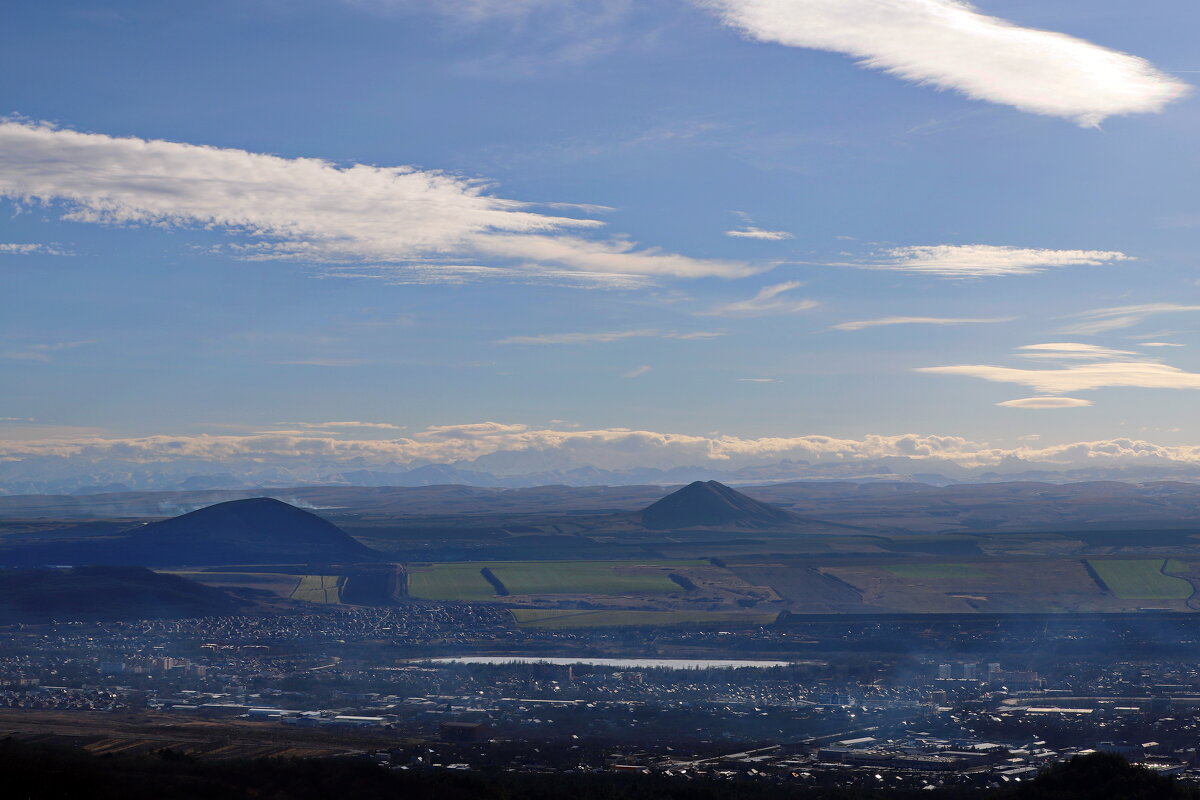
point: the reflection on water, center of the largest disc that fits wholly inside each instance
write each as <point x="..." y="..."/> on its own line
<point x="620" y="663"/>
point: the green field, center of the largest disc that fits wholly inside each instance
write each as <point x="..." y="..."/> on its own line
<point x="463" y="581"/>
<point x="1140" y="579"/>
<point x="319" y="589"/>
<point x="561" y="618"/>
<point x="936" y="571"/>
<point x="586" y="577"/>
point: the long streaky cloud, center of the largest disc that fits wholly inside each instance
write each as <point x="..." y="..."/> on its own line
<point x="949" y="44"/>
<point x="750" y="232"/>
<point x="26" y="249"/>
<point x="1073" y="351"/>
<point x="306" y="209"/>
<point x="982" y="260"/>
<point x="863" y="324"/>
<point x="1046" y="402"/>
<point x="1101" y="320"/>
<point x="768" y="300"/>
<point x="1140" y="374"/>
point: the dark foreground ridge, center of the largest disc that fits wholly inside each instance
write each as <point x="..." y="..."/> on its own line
<point x="258" y="530"/>
<point x="105" y="593"/>
<point x="37" y="772"/>
<point x="712" y="504"/>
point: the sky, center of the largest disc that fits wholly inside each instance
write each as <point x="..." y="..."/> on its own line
<point x="606" y="232"/>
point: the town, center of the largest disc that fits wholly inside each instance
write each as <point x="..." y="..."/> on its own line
<point x="436" y="686"/>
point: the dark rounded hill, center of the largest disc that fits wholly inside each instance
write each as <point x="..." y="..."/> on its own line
<point x="260" y="530"/>
<point x="707" y="504"/>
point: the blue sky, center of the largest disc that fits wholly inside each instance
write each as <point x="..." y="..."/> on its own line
<point x="978" y="188"/>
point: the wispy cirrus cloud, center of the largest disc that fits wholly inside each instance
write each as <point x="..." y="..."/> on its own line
<point x="1109" y="368"/>
<point x="352" y="424"/>
<point x="769" y="300"/>
<point x="951" y="45"/>
<point x="637" y="372"/>
<point x="751" y="232"/>
<point x="309" y="210"/>
<point x="31" y="249"/>
<point x="981" y="260"/>
<point x="1101" y="320"/>
<point x="748" y="231"/>
<point x="1046" y="402"/>
<point x="603" y="337"/>
<point x="859" y="325"/>
<point x="1074" y="351"/>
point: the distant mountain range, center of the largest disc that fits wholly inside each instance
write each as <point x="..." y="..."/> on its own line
<point x="887" y="507"/>
<point x="43" y="475"/>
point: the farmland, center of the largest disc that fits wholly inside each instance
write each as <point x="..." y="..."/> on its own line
<point x="279" y="583"/>
<point x="1141" y="579"/>
<point x="804" y="588"/>
<point x="465" y="581"/>
<point x="995" y="585"/>
<point x="461" y="582"/>
<point x="935" y="571"/>
<point x="588" y="577"/>
<point x="570" y="618"/>
<point x="319" y="589"/>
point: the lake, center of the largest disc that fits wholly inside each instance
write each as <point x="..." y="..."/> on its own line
<point x="619" y="663"/>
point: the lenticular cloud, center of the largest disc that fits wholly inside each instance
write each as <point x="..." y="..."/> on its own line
<point x="951" y="45"/>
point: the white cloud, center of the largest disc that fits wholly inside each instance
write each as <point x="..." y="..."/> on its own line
<point x="638" y="372"/>
<point x="982" y="260"/>
<point x="758" y="380"/>
<point x="1140" y="374"/>
<point x="951" y="45"/>
<point x="310" y="210"/>
<point x="1101" y="320"/>
<point x="1160" y="344"/>
<point x="26" y="249"/>
<point x="611" y="448"/>
<point x="769" y="300"/>
<point x="1045" y="402"/>
<point x="750" y="232"/>
<point x="603" y="337"/>
<point x="475" y="10"/>
<point x="345" y="424"/>
<point x="1073" y="351"/>
<point x="874" y="323"/>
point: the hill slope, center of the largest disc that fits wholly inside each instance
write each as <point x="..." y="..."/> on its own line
<point x="105" y="593"/>
<point x="712" y="504"/>
<point x="257" y="530"/>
